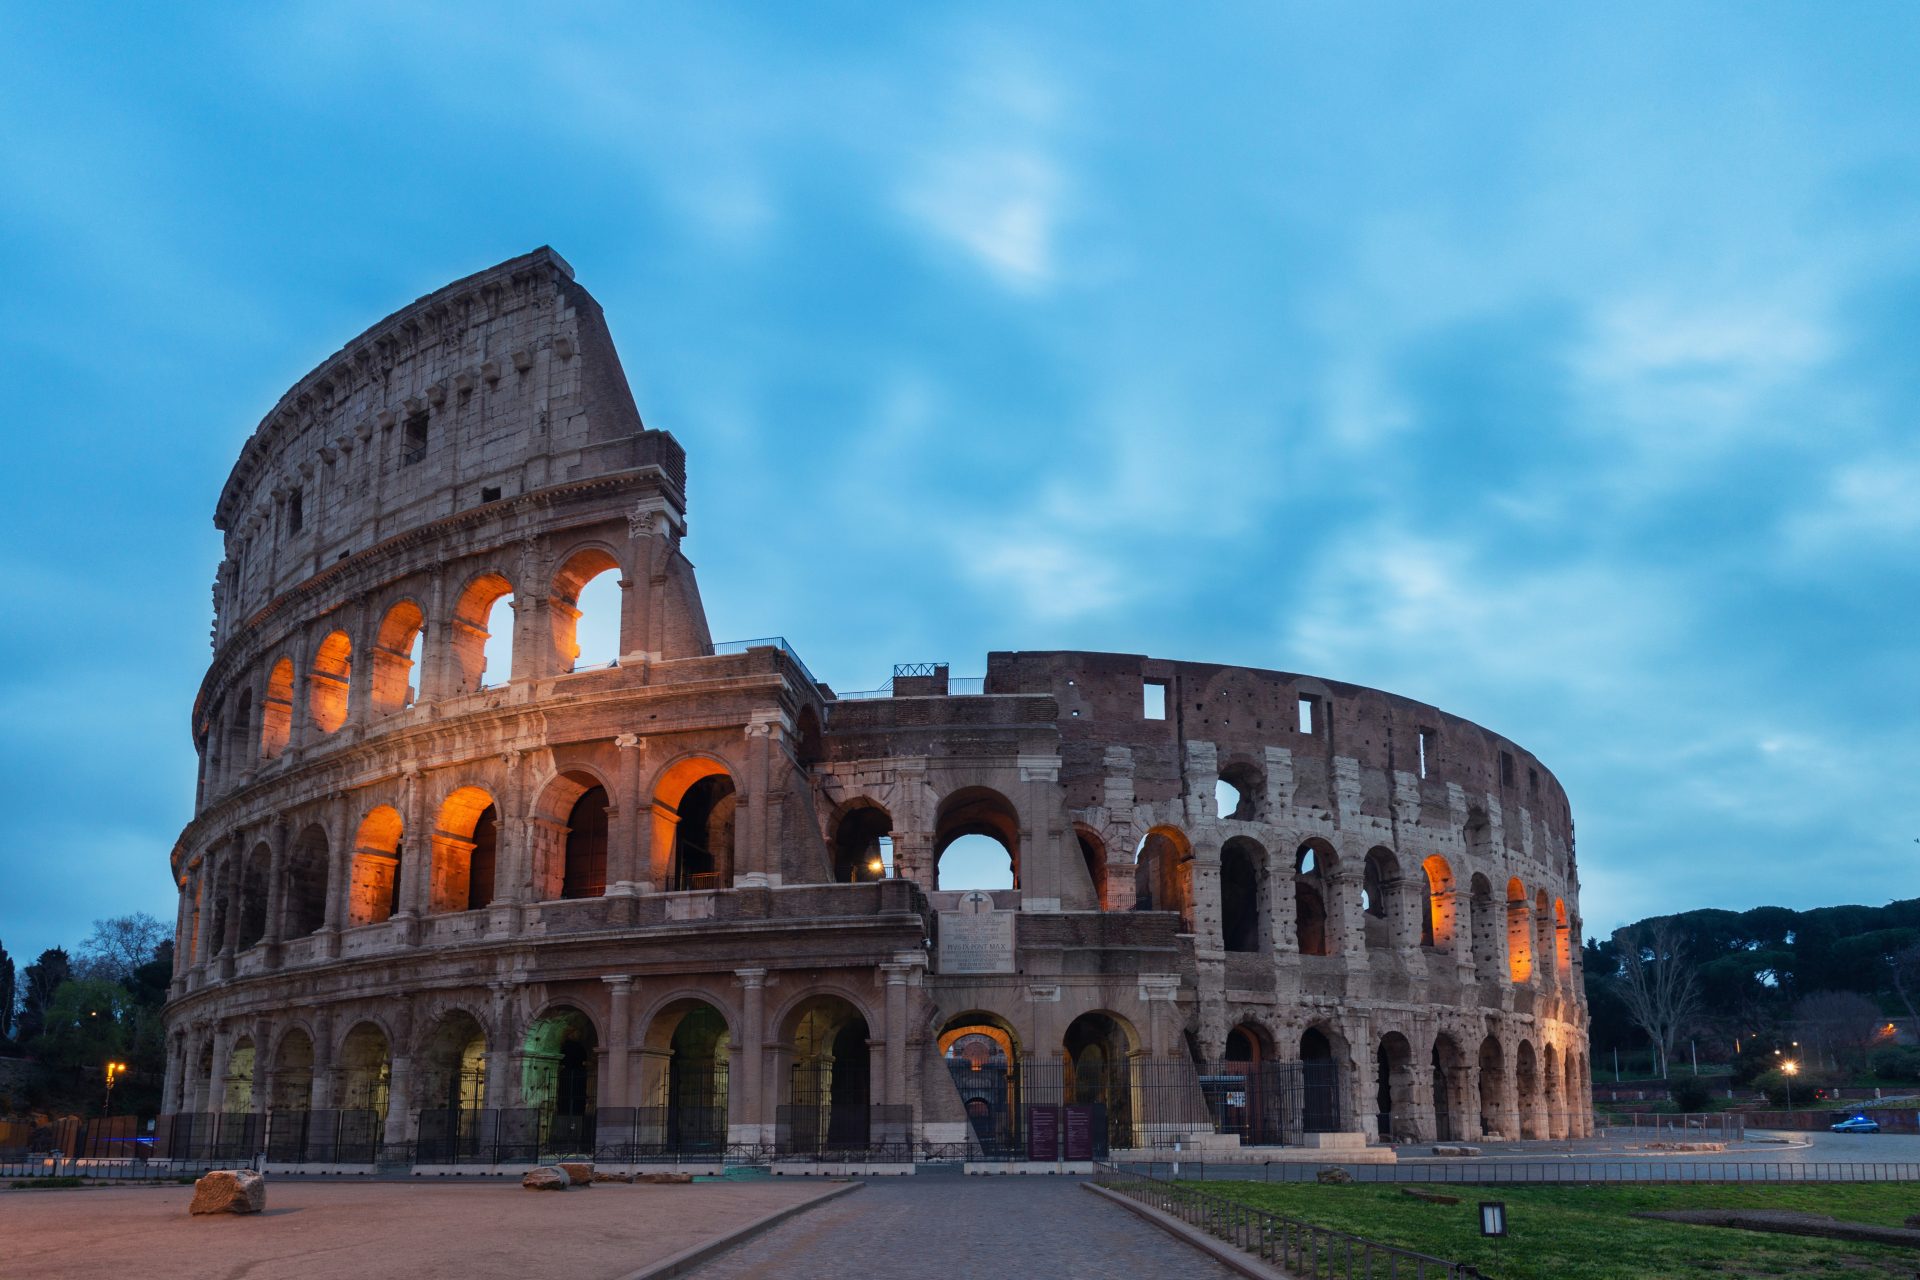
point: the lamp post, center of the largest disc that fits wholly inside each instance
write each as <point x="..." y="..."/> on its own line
<point x="114" y="1071"/>
<point x="1792" y="1069"/>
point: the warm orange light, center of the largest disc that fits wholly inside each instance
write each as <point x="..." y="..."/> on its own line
<point x="1791" y="1067"/>
<point x="876" y="866"/>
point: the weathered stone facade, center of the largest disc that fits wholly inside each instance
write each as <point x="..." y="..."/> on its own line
<point x="412" y="883"/>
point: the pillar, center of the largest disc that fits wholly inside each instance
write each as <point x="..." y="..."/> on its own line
<point x="750" y="1114"/>
<point x="751" y="856"/>
<point x="321" y="1097"/>
<point x="276" y="884"/>
<point x="895" y="1090"/>
<point x="217" y="1077"/>
<point x="619" y="1040"/>
<point x="628" y="826"/>
<point x="416" y="852"/>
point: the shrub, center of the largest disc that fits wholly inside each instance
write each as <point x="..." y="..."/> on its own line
<point x="1802" y="1089"/>
<point x="1690" y="1093"/>
<point x="1897" y="1062"/>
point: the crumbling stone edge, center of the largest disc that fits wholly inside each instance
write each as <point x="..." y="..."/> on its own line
<point x="1219" y="1250"/>
<point x="687" y="1259"/>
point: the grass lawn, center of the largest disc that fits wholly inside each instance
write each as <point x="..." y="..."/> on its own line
<point x="1588" y="1233"/>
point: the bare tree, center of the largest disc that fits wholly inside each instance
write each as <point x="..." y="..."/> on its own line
<point x="1660" y="988"/>
<point x="1837" y="1024"/>
<point x="118" y="946"/>
<point x="1904" y="966"/>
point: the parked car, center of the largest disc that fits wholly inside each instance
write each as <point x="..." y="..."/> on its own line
<point x="1856" y="1124"/>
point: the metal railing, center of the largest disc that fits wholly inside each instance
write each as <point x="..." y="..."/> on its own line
<point x="957" y="686"/>
<point x="1300" y="1248"/>
<point x="1691" y="1126"/>
<point x="1545" y="1170"/>
<point x="763" y="642"/>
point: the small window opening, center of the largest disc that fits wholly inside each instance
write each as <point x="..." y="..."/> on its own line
<point x="296" y="512"/>
<point x="1506" y="768"/>
<point x="1154" y="700"/>
<point x="1226" y="799"/>
<point x="413" y="446"/>
<point x="490" y="493"/>
<point x="1533" y="781"/>
<point x="1427" y="745"/>
<point x="1309" y="713"/>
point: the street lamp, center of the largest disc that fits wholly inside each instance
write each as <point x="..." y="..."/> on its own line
<point x="1792" y="1069"/>
<point x="114" y="1071"/>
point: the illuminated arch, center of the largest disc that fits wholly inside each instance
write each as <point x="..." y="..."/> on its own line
<point x="329" y="681"/>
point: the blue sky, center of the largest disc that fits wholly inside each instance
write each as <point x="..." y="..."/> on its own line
<point x="1558" y="366"/>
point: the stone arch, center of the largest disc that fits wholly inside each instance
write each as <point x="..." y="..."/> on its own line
<point x="255" y="871"/>
<point x="1519" y="934"/>
<point x="402" y="633"/>
<point x="1453" y="1108"/>
<point x="1438" y="926"/>
<point x="1486" y="930"/>
<point x="237" y="1089"/>
<point x="1313" y="865"/>
<point x="1244" y="1089"/>
<point x="465" y="840"/>
<point x="1098" y="1048"/>
<point x="1526" y="1090"/>
<point x="1543" y="934"/>
<point x="826" y="1043"/>
<point x="276" y="711"/>
<point x="473" y="619"/>
<point x="290" y="1079"/>
<point x="1093" y="855"/>
<point x="695" y="804"/>
<point x="328" y="682"/>
<point x="1243" y="895"/>
<point x="1248" y="782"/>
<point x="976" y="811"/>
<point x="684" y="1081"/>
<point x="365" y="1063"/>
<point x="1322" y="1050"/>
<point x="569" y="834"/>
<point x="559" y="1074"/>
<point x="452" y="1063"/>
<point x="239" y="728"/>
<point x="1380" y="885"/>
<point x="1163" y="874"/>
<point x="806" y="740"/>
<point x="374" y="891"/>
<point x="1394" y="1095"/>
<point x="858" y="830"/>
<point x="304" y="896"/>
<point x="580" y="566"/>
<point x="1553" y="1091"/>
<point x="982" y="1054"/>
<point x="1493" y="1088"/>
<point x="1563" y="942"/>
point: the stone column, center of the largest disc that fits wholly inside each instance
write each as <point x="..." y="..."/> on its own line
<point x="636" y="596"/>
<point x="1158" y="992"/>
<point x="751" y="861"/>
<point x="339" y="871"/>
<point x="896" y="1039"/>
<point x="500" y="1045"/>
<point x="276" y="885"/>
<point x="619" y="1040"/>
<point x="626" y="825"/>
<point x="416" y="854"/>
<point x="436" y="646"/>
<point x="217" y="1077"/>
<point x="262" y="1032"/>
<point x="1205" y="909"/>
<point x="749" y="1116"/>
<point x="321" y="1094"/>
<point x="1463" y="933"/>
<point x="399" y="1125"/>
<point x="1283" y="928"/>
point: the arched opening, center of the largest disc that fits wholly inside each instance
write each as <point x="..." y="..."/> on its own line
<point x="1093" y="854"/>
<point x="1519" y="934"/>
<point x="254" y="873"/>
<point x="694" y="806"/>
<point x="290" y="1083"/>
<point x="240" y="727"/>
<point x="452" y="1088"/>
<point x="483" y="633"/>
<point x="1543" y="931"/>
<point x="207" y="1093"/>
<point x="1243" y="895"/>
<point x="236" y="1094"/>
<point x="982" y="1054"/>
<point x="276" y="713"/>
<point x="807" y="748"/>
<point x="976" y="841"/>
<point x="462" y="868"/>
<point x="1563" y="941"/>
<point x="374" y="891"/>
<point x="585" y="871"/>
<point x="689" y="1051"/>
<point x="1310" y="868"/>
<point x="1437" y="929"/>
<point x="1163" y="875"/>
<point x="1550" y="1082"/>
<point x="1393" y="1088"/>
<point x="1319" y="1082"/>
<point x="1236" y="796"/>
<point x="305" y="908"/>
<point x="328" y="682"/>
<point x="366" y="1064"/>
<point x="1244" y="1090"/>
<point x="1486" y="930"/>
<point x="1379" y="881"/>
<point x="558" y="1076"/>
<point x="1099" y="1074"/>
<point x="1449" y="1090"/>
<point x="397" y="650"/>
<point x="585" y="610"/>
<point x="829" y="1079"/>
<point x="1526" y="1080"/>
<point x="1493" y="1089"/>
<point x="859" y="854"/>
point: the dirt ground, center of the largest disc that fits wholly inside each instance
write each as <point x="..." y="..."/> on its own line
<point x="369" y="1230"/>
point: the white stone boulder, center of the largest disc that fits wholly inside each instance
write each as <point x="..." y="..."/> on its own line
<point x="229" y="1191"/>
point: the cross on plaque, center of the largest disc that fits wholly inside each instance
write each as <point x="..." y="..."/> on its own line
<point x="976" y="904"/>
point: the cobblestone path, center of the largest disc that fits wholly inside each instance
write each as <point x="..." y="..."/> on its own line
<point x="950" y="1228"/>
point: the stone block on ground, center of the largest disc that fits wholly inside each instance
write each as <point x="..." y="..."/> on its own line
<point x="1431" y="1197"/>
<point x="1333" y="1176"/>
<point x="545" y="1177"/>
<point x="1455" y="1149"/>
<point x="674" y="1179"/>
<point x="599" y="1176"/>
<point x="579" y="1172"/>
<point x="229" y="1191"/>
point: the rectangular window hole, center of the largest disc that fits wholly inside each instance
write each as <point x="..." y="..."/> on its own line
<point x="1154" y="699"/>
<point x="491" y="493"/>
<point x="296" y="512"/>
<point x="1506" y="768"/>
<point x="413" y="446"/>
<point x="1429" y="741"/>
<point x="1310" y="716"/>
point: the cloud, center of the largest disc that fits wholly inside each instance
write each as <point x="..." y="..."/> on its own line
<point x="1000" y="204"/>
<point x="1049" y="578"/>
<point x="1868" y="505"/>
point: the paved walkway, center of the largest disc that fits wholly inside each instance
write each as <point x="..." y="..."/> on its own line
<point x="953" y="1228"/>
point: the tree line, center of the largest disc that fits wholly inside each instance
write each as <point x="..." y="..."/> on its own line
<point x="72" y="1012"/>
<point x="1756" y="988"/>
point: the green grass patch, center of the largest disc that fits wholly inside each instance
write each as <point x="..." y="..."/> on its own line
<point x="1589" y="1233"/>
<point x="46" y="1184"/>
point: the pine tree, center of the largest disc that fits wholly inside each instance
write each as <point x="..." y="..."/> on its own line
<point x="6" y="996"/>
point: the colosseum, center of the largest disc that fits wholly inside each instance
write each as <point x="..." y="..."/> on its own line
<point x="451" y="894"/>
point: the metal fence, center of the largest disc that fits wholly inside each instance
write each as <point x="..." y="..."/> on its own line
<point x="1300" y="1248"/>
<point x="1691" y="1126"/>
<point x="1503" y="1172"/>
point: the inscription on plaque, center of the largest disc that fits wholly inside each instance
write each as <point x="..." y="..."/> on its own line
<point x="976" y="938"/>
<point x="1080" y="1133"/>
<point x="1043" y="1133"/>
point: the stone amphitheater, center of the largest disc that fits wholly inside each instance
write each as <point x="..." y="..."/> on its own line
<point x="438" y="903"/>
